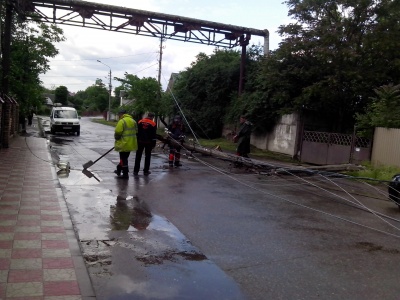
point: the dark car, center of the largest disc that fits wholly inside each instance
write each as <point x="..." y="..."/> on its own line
<point x="394" y="189"/>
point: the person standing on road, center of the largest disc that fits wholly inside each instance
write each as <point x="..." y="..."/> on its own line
<point x="30" y="117"/>
<point x="125" y="142"/>
<point x="176" y="131"/>
<point x="243" y="137"/>
<point x="146" y="138"/>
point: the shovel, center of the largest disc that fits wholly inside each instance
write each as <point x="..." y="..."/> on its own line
<point x="91" y="163"/>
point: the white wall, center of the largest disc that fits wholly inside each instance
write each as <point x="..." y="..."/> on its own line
<point x="282" y="138"/>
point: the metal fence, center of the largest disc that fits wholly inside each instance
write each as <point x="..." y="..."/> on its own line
<point x="325" y="148"/>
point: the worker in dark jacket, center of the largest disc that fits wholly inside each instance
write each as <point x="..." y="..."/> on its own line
<point x="146" y="138"/>
<point x="176" y="132"/>
<point x="243" y="137"/>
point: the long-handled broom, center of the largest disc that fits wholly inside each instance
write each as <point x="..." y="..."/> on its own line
<point x="91" y="163"/>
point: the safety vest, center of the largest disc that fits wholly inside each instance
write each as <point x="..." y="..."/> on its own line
<point x="125" y="134"/>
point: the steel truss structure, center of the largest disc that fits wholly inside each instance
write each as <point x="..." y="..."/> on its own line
<point x="139" y="22"/>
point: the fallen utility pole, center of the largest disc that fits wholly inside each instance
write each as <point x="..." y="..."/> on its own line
<point x="257" y="164"/>
<point x="217" y="153"/>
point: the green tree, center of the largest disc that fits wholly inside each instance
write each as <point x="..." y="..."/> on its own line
<point x="61" y="95"/>
<point x="205" y="90"/>
<point x="331" y="59"/>
<point x="96" y="98"/>
<point x="143" y="92"/>
<point x="32" y="45"/>
<point x="383" y="111"/>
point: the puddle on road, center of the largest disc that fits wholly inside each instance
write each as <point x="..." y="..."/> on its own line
<point x="59" y="141"/>
<point x="132" y="253"/>
<point x="74" y="177"/>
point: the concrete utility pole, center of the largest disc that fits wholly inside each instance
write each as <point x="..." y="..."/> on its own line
<point x="109" y="92"/>
<point x="160" y="60"/>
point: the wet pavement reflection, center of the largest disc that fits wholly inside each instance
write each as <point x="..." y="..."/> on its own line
<point x="131" y="252"/>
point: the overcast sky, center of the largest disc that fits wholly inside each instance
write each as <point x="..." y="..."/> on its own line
<point x="76" y="66"/>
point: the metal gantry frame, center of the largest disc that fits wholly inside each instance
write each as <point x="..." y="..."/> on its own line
<point x="134" y="21"/>
<point x="130" y="21"/>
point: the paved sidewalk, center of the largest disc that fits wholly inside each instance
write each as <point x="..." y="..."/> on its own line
<point x="40" y="256"/>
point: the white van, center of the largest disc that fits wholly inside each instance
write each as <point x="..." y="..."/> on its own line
<point x="64" y="119"/>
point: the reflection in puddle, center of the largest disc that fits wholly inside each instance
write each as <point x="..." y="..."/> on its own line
<point x="59" y="141"/>
<point x="74" y="177"/>
<point x="128" y="213"/>
<point x="171" y="256"/>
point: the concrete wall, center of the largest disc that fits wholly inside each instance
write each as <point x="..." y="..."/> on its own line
<point x="282" y="138"/>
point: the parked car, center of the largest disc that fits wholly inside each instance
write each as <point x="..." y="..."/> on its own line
<point x="394" y="189"/>
<point x="65" y="119"/>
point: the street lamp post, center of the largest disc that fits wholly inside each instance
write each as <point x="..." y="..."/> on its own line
<point x="109" y="92"/>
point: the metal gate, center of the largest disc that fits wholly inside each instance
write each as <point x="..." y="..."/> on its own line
<point x="325" y="148"/>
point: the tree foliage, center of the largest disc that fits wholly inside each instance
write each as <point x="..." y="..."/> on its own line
<point x="95" y="98"/>
<point x="205" y="90"/>
<point x="32" y="45"/>
<point x="331" y="59"/>
<point x="61" y="95"/>
<point x="383" y="111"/>
<point x="144" y="93"/>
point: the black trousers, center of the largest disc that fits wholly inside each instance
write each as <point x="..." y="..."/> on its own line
<point x="147" y="148"/>
<point x="123" y="163"/>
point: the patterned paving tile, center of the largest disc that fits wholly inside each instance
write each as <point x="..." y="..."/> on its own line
<point x="11" y="198"/>
<point x="5" y="263"/>
<point x="6" y="228"/>
<point x="48" y="229"/>
<point x="29" y="212"/>
<point x="58" y="263"/>
<point x="59" y="275"/>
<point x="3" y="290"/>
<point x="29" y="217"/>
<point x="52" y="223"/>
<point x="24" y="289"/>
<point x="9" y="206"/>
<point x="3" y="276"/>
<point x="26" y="264"/>
<point x="25" y="276"/>
<point x="27" y="236"/>
<point x="6" y="236"/>
<point x="27" y="229"/>
<point x="51" y="207"/>
<point x="63" y="298"/>
<point x="25" y="244"/>
<point x="54" y="236"/>
<point x="61" y="288"/>
<point x="46" y="253"/>
<point x="8" y="212"/>
<point x="58" y="217"/>
<point x="35" y="259"/>
<point x="26" y="253"/>
<point x="8" y="222"/>
<point x="55" y="244"/>
<point x="28" y="222"/>
<point x="8" y="217"/>
<point x="6" y="244"/>
<point x="5" y="253"/>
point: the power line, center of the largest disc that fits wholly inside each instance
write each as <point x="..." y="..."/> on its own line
<point x="89" y="59"/>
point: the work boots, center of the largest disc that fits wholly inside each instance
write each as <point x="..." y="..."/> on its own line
<point x="125" y="173"/>
<point x="124" y="170"/>
<point x="177" y="159"/>
<point x="118" y="170"/>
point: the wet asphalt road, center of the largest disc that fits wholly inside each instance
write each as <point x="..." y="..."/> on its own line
<point x="209" y="231"/>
